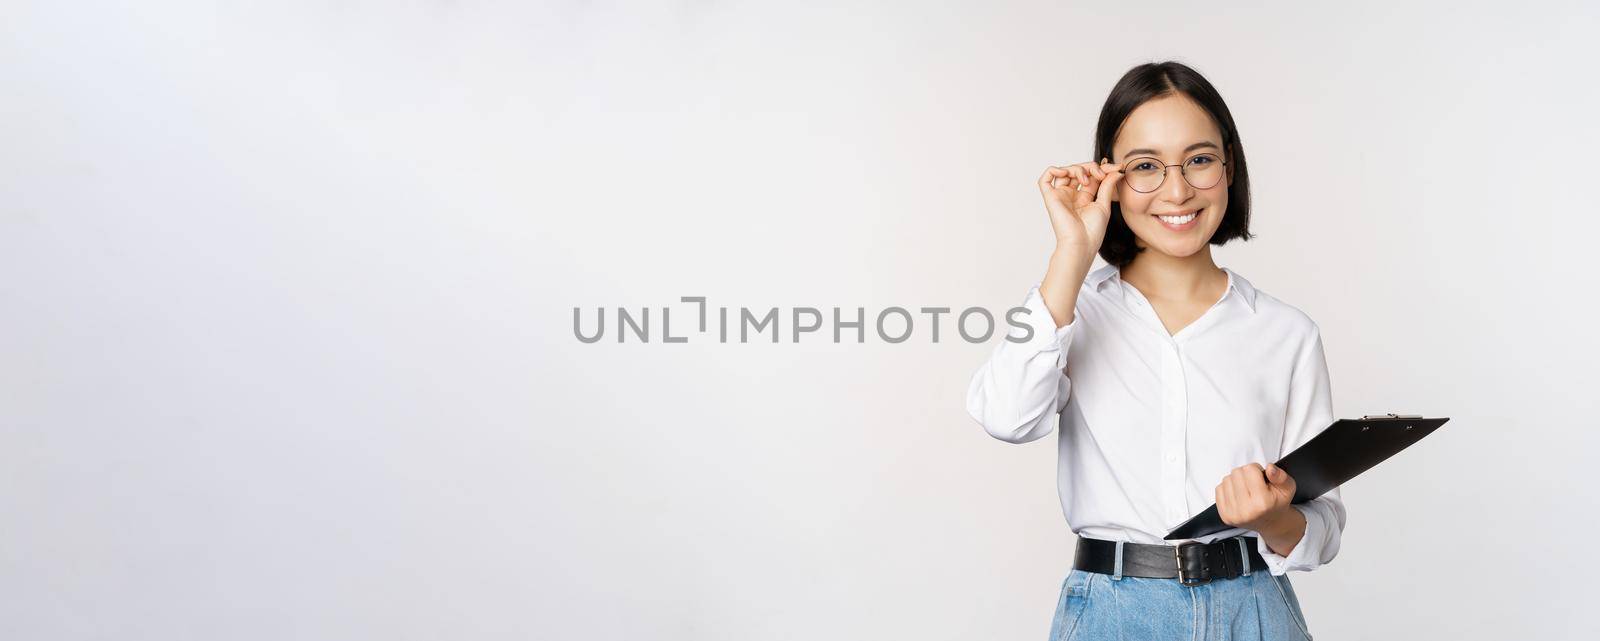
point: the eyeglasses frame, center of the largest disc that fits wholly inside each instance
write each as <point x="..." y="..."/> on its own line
<point x="1166" y="167"/>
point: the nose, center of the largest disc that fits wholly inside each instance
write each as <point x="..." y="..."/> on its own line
<point x="1176" y="189"/>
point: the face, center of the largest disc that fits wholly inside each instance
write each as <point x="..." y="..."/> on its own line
<point x="1171" y="130"/>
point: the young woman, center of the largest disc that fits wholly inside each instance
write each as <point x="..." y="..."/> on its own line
<point x="1177" y="383"/>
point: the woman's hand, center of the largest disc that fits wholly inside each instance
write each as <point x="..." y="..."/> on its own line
<point x="1255" y="498"/>
<point x="1078" y="198"/>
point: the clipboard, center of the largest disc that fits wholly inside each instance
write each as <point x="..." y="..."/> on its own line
<point x="1343" y="450"/>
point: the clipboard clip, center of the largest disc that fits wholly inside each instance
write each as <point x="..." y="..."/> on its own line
<point x="1390" y="415"/>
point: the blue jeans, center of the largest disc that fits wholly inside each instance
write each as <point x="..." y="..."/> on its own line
<point x="1096" y="607"/>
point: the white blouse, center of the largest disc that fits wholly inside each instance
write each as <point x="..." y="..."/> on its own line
<point x="1150" y="423"/>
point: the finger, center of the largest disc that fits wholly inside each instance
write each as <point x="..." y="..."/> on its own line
<point x="1073" y="184"/>
<point x="1236" y="483"/>
<point x="1224" y="506"/>
<point x="1094" y="169"/>
<point x="1053" y="177"/>
<point x="1245" y="502"/>
<point x="1079" y="173"/>
<point x="1091" y="180"/>
<point x="1230" y="493"/>
<point x="1108" y="187"/>
<point x="1254" y="482"/>
<point x="1284" y="485"/>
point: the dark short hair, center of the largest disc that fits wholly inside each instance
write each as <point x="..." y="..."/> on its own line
<point x="1147" y="82"/>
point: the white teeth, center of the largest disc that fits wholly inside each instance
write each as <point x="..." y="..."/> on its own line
<point x="1178" y="220"/>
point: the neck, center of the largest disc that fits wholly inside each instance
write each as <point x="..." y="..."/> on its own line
<point x="1162" y="276"/>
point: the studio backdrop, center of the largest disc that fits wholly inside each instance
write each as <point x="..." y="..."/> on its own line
<point x="655" y="320"/>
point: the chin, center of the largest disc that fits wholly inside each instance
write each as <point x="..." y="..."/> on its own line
<point x="1162" y="241"/>
<point x="1177" y="250"/>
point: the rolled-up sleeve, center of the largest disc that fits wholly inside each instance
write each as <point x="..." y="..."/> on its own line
<point x="1310" y="411"/>
<point x="1017" y="393"/>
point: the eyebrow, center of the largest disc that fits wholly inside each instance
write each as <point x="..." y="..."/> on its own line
<point x="1151" y="152"/>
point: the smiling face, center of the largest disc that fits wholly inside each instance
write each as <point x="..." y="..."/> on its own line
<point x="1171" y="130"/>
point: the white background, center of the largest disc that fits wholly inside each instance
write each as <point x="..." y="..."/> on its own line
<point x="286" y="298"/>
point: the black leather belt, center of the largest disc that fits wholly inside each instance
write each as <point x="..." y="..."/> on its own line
<point x="1190" y="563"/>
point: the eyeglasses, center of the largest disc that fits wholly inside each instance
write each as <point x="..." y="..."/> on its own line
<point x="1145" y="174"/>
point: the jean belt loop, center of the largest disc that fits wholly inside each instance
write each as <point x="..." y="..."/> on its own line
<point x="1244" y="556"/>
<point x="1116" y="574"/>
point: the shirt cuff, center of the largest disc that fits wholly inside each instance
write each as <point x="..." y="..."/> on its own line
<point x="1304" y="556"/>
<point x="1046" y="336"/>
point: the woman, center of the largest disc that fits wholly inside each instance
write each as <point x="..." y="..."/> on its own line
<point x="1177" y="383"/>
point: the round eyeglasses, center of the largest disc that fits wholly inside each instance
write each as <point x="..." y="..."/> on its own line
<point x="1145" y="174"/>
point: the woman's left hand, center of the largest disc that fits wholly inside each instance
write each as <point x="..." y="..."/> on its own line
<point x="1252" y="497"/>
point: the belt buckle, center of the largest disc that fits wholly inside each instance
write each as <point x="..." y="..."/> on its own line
<point x="1183" y="578"/>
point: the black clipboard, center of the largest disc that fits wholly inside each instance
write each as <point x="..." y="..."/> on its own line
<point x="1345" y="449"/>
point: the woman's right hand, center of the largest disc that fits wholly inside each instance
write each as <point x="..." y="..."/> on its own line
<point x="1078" y="198"/>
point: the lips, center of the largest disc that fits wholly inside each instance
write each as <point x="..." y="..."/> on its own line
<point x="1179" y="213"/>
<point x="1179" y="221"/>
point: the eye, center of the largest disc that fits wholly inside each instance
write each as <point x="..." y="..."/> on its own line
<point x="1201" y="160"/>
<point x="1144" y="165"/>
